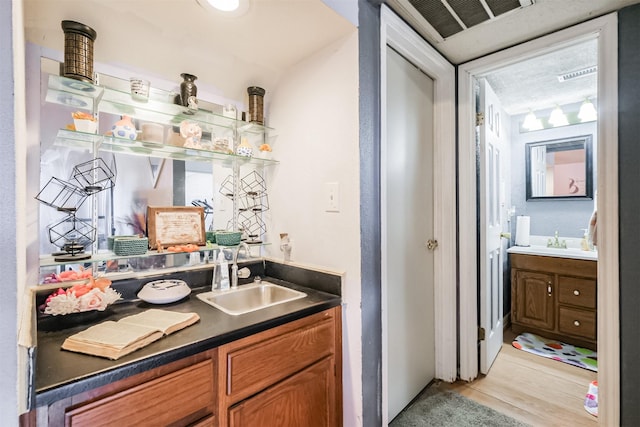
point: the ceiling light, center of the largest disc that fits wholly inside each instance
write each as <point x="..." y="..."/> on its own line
<point x="226" y="8"/>
<point x="587" y="112"/>
<point x="558" y="118"/>
<point x="531" y="122"/>
<point x="225" y="5"/>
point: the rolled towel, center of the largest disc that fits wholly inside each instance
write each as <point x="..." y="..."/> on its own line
<point x="592" y="235"/>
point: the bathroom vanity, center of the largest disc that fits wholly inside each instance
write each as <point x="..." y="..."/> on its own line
<point x="554" y="294"/>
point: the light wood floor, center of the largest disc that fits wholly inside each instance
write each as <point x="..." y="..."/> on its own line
<point x="532" y="389"/>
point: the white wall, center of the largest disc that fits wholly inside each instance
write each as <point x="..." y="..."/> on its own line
<point x="12" y="215"/>
<point x="315" y="111"/>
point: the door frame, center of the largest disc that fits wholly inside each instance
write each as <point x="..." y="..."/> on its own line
<point x="397" y="34"/>
<point x="605" y="29"/>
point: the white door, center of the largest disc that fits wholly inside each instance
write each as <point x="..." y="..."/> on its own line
<point x="407" y="224"/>
<point x="492" y="218"/>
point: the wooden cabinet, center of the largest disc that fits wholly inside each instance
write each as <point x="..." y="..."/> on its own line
<point x="286" y="376"/>
<point x="555" y="298"/>
<point x="290" y="375"/>
<point x="179" y="394"/>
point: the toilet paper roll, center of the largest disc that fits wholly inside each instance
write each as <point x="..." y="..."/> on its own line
<point x="522" y="231"/>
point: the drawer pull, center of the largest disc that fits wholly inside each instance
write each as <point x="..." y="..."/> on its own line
<point x="576" y="323"/>
<point x="576" y="292"/>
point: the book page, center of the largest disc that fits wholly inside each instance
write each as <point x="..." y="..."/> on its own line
<point x="112" y="334"/>
<point x="162" y="320"/>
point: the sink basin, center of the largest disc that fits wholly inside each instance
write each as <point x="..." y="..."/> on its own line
<point x="248" y="298"/>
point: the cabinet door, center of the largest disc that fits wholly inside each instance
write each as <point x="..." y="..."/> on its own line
<point x="181" y="398"/>
<point x="304" y="399"/>
<point x="534" y="301"/>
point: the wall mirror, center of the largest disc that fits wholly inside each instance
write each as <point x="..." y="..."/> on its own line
<point x="559" y="169"/>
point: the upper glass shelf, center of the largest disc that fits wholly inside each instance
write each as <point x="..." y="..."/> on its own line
<point x="74" y="139"/>
<point x="158" y="109"/>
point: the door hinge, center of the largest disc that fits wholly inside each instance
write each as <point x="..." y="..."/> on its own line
<point x="480" y="334"/>
<point x="479" y="119"/>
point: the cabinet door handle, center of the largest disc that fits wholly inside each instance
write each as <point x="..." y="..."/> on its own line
<point x="549" y="289"/>
<point x="576" y="292"/>
<point x="576" y="323"/>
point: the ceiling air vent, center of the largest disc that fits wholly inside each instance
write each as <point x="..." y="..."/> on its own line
<point x="577" y="74"/>
<point x="449" y="17"/>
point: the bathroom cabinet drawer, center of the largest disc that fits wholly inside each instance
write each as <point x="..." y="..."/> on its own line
<point x="577" y="291"/>
<point x="577" y="322"/>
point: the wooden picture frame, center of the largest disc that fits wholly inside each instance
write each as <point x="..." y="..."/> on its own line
<point x="175" y="225"/>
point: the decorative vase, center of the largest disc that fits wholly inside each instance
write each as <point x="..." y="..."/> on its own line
<point x="244" y="149"/>
<point x="188" y="91"/>
<point x="124" y="128"/>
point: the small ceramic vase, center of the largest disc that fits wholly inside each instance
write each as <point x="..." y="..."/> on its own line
<point x="125" y="129"/>
<point x="188" y="91"/>
<point x="244" y="149"/>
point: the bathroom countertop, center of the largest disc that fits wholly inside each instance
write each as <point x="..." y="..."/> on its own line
<point x="554" y="252"/>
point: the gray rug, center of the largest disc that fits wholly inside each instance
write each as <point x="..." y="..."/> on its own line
<point x="443" y="408"/>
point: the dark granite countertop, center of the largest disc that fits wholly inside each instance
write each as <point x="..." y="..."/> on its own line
<point x="61" y="374"/>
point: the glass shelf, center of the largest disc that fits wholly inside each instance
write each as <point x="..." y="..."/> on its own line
<point x="81" y="140"/>
<point x="158" y="109"/>
<point x="150" y="263"/>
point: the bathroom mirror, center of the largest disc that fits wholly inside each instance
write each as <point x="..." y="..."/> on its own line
<point x="560" y="169"/>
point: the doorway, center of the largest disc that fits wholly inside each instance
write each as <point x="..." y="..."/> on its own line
<point x="604" y="31"/>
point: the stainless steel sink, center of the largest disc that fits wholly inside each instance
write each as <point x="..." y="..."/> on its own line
<point x="248" y="298"/>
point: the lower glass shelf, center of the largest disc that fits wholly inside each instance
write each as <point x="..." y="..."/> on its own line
<point x="107" y="264"/>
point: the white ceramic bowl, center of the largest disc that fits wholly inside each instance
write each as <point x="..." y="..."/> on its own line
<point x="87" y="126"/>
<point x="164" y="291"/>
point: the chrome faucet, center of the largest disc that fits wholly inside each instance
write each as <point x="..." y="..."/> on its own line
<point x="234" y="267"/>
<point x="555" y="243"/>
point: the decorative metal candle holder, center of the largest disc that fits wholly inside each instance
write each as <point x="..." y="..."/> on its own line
<point x="253" y="200"/>
<point x="71" y="234"/>
<point x="78" y="51"/>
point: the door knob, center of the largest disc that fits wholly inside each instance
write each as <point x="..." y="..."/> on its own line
<point x="431" y="244"/>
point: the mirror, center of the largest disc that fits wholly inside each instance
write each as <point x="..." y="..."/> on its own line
<point x="560" y="169"/>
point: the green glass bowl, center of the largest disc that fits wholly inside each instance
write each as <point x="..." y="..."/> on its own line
<point x="228" y="238"/>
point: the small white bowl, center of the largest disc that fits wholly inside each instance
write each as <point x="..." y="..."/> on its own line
<point x="86" y="126"/>
<point x="164" y="291"/>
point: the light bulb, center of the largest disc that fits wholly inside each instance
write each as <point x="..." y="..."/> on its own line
<point x="531" y="122"/>
<point x="587" y="112"/>
<point x="557" y="117"/>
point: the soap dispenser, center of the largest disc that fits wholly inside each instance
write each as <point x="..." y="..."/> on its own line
<point x="584" y="243"/>
<point x="221" y="273"/>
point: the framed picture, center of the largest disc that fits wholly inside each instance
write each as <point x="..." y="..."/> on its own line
<point x="175" y="225"/>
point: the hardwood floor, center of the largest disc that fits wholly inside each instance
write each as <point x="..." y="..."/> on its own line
<point x="532" y="389"/>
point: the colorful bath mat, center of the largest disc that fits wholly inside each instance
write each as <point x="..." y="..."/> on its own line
<point x="556" y="350"/>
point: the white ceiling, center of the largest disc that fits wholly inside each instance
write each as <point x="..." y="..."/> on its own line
<point x="534" y="85"/>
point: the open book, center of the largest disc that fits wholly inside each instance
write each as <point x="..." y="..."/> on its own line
<point x="115" y="339"/>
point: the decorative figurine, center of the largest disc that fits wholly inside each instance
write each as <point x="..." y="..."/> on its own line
<point x="192" y="133"/>
<point x="124" y="128"/>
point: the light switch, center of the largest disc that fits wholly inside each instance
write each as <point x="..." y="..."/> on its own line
<point x="332" y="197"/>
